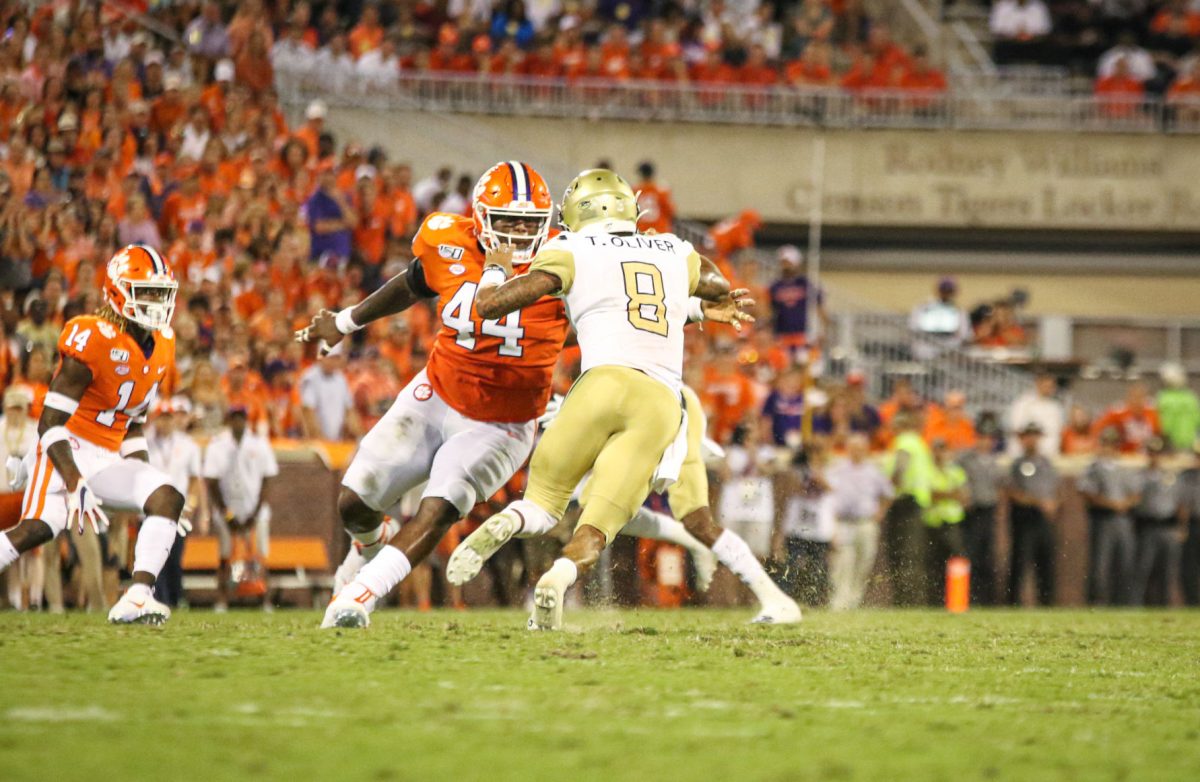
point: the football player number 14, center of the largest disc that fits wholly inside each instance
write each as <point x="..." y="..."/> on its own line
<point x="78" y="340"/>
<point x="457" y="315"/>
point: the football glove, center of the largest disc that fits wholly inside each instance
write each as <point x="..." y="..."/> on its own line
<point x="185" y="522"/>
<point x="82" y="504"/>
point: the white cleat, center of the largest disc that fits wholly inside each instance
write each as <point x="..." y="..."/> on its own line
<point x="781" y="613"/>
<point x="705" y="562"/>
<point x="478" y="547"/>
<point x="347" y="611"/>
<point x="547" y="608"/>
<point x="138" y="606"/>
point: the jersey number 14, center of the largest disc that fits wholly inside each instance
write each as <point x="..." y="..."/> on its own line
<point x="457" y="315"/>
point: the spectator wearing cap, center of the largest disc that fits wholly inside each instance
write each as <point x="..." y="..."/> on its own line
<point x="1159" y="528"/>
<point x="310" y="132"/>
<point x="789" y="296"/>
<point x="1033" y="485"/>
<point x="943" y="519"/>
<point x="940" y="323"/>
<point x="1038" y="406"/>
<point x="861" y="496"/>
<point x="1136" y="420"/>
<point x="327" y="404"/>
<point x="1189" y="512"/>
<point x="1178" y="408"/>
<point x="18" y="436"/>
<point x="238" y="468"/>
<point x="985" y="480"/>
<point x="950" y="423"/>
<point x="177" y="454"/>
<point x="910" y="467"/>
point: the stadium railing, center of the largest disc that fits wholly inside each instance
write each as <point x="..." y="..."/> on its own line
<point x="983" y="109"/>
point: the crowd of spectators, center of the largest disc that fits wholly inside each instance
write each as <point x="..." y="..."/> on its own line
<point x="809" y="43"/>
<point x="1133" y="49"/>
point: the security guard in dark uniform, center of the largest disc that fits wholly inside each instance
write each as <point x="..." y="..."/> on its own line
<point x="985" y="477"/>
<point x="1033" y="496"/>
<point x="1159" y="529"/>
<point x="1111" y="491"/>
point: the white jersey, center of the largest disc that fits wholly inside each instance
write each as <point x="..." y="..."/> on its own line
<point x="627" y="296"/>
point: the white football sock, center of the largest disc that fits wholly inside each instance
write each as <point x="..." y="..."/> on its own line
<point x="371" y="543"/>
<point x="563" y="573"/>
<point x="382" y="574"/>
<point x="659" y="526"/>
<point x="735" y="554"/>
<point x="154" y="542"/>
<point x="8" y="552"/>
<point x="533" y="518"/>
<point x="139" y="590"/>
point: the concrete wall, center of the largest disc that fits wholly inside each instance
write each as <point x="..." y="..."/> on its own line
<point x="958" y="180"/>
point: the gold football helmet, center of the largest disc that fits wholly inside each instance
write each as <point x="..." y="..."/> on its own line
<point x="599" y="195"/>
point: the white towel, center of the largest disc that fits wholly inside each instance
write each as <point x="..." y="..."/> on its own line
<point x="671" y="463"/>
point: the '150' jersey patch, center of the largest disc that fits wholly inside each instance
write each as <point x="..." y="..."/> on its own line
<point x="450" y="251"/>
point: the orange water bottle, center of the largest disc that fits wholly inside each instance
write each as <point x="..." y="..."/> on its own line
<point x="958" y="585"/>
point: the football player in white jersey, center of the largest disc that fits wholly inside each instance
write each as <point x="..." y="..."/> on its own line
<point x="627" y="297"/>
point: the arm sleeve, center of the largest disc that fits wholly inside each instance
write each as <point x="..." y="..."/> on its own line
<point x="693" y="267"/>
<point x="560" y="263"/>
<point x="416" y="280"/>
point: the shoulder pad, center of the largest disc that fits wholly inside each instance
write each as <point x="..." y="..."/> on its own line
<point x="443" y="221"/>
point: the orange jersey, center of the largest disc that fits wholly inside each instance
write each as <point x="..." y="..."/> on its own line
<point x="125" y="381"/>
<point x="491" y="370"/>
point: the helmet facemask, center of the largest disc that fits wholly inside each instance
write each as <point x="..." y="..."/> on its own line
<point x="525" y="244"/>
<point x="149" y="303"/>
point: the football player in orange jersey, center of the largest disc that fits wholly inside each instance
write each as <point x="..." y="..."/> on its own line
<point x="466" y="422"/>
<point x="91" y="450"/>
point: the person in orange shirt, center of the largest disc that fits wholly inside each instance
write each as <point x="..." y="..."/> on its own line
<point x="1175" y="20"/>
<point x="1184" y="94"/>
<point x="732" y="393"/>
<point x="920" y="76"/>
<point x="614" y="52"/>
<point x="567" y="54"/>
<point x="404" y="208"/>
<point x="253" y="64"/>
<point x="1119" y="94"/>
<point x="168" y="109"/>
<point x="374" y="211"/>
<point x="734" y="234"/>
<point x="187" y="255"/>
<point x="184" y="205"/>
<point x="812" y="69"/>
<point x="756" y="71"/>
<point x="950" y="423"/>
<point x="656" y="208"/>
<point x="448" y="56"/>
<point x="254" y="298"/>
<point x="1136" y="420"/>
<point x="367" y="35"/>
<point x="864" y="74"/>
<point x="310" y="132"/>
<point x="1078" y="435"/>
<point x="244" y="388"/>
<point x="350" y="168"/>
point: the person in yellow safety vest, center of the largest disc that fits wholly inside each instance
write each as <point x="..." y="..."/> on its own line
<point x="909" y="464"/>
<point x="943" y="519"/>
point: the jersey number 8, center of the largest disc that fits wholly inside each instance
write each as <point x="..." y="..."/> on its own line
<point x="457" y="315"/>
<point x="644" y="287"/>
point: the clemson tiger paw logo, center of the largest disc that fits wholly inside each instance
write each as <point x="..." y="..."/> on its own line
<point x="423" y="392"/>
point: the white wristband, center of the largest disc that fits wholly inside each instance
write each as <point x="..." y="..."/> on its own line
<point x="695" y="309"/>
<point x="133" y="445"/>
<point x="61" y="402"/>
<point x="493" y="275"/>
<point x="55" y="434"/>
<point x="345" y="322"/>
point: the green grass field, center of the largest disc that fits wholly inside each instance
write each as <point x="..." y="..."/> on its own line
<point x="650" y="695"/>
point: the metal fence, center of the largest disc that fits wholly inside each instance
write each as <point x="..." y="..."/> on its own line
<point x="732" y="104"/>
<point x="884" y="348"/>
